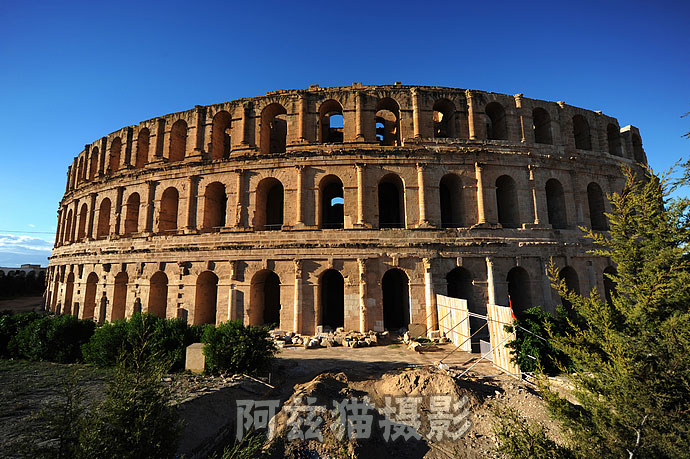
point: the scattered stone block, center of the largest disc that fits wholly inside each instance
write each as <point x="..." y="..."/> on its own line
<point x="195" y="360"/>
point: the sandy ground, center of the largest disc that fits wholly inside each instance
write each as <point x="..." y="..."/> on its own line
<point x="25" y="304"/>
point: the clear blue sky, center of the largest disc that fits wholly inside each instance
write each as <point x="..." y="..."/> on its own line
<point x="71" y="72"/>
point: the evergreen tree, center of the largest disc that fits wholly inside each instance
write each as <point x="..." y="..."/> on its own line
<point x="631" y="355"/>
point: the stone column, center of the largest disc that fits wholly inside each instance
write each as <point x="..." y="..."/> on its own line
<point x="591" y="276"/>
<point x="59" y="228"/>
<point x="423" y="221"/>
<point x="518" y="106"/>
<point x="200" y="118"/>
<point x="361" y="262"/>
<point x="299" y="206"/>
<point x="490" y="285"/>
<point x="118" y="209"/>
<point x="416" y="114"/>
<point x="358" y="116"/>
<point x="245" y="123"/>
<point x="298" y="296"/>
<point x="431" y="308"/>
<point x="360" y="194"/>
<point x="470" y="115"/>
<point x="481" y="214"/>
<point x="103" y="153"/>
<point x="303" y="117"/>
<point x="239" y="198"/>
<point x="73" y="230"/>
<point x="546" y="286"/>
<point x="191" y="202"/>
<point x="92" y="212"/>
<point x="150" y="196"/>
<point x="535" y="204"/>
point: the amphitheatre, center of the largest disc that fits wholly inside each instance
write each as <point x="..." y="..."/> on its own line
<point x="337" y="207"/>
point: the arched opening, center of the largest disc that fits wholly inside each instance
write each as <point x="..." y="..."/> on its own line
<point x="273" y="129"/>
<point x="206" y="298"/>
<point x="93" y="167"/>
<point x="103" y="229"/>
<point x="143" y="141"/>
<point x="396" y="299"/>
<point x="332" y="202"/>
<point x="595" y="198"/>
<point x="168" y="214"/>
<point x="54" y="295"/>
<point x="496" y="125"/>
<point x="542" y="126"/>
<point x="637" y="148"/>
<point x="614" y="139"/>
<point x="331" y="116"/>
<point x="178" y="141"/>
<point x="83" y="213"/>
<point x="507" y="202"/>
<point x="391" y="196"/>
<point x="115" y="149"/>
<point x="269" y="205"/>
<point x="69" y="290"/>
<point x="265" y="299"/>
<point x="158" y="295"/>
<point x="215" y="205"/>
<point x="90" y="296"/>
<point x="450" y="191"/>
<point x="132" y="215"/>
<point x="459" y="283"/>
<point x="519" y="290"/>
<point x="443" y="113"/>
<point x="119" y="296"/>
<point x="583" y="140"/>
<point x="220" y="136"/>
<point x="388" y="122"/>
<point x="572" y="281"/>
<point x="68" y="227"/>
<point x="609" y="285"/>
<point x="332" y="299"/>
<point x="555" y="204"/>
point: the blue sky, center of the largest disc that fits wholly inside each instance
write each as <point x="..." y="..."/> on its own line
<point x="71" y="72"/>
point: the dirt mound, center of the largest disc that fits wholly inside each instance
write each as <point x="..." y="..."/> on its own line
<point x="413" y="413"/>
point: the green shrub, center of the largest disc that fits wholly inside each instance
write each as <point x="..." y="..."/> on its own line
<point x="517" y="438"/>
<point x="532" y="348"/>
<point x="136" y="419"/>
<point x="232" y="347"/>
<point x="163" y="339"/>
<point x="10" y="325"/>
<point x="106" y="344"/>
<point x="53" y="338"/>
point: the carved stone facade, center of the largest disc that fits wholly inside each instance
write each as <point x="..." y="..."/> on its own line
<point x="345" y="206"/>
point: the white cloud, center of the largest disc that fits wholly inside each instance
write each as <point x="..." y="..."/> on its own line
<point x="18" y="249"/>
<point x="31" y="225"/>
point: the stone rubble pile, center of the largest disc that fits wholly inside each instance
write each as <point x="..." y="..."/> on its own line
<point x="328" y="338"/>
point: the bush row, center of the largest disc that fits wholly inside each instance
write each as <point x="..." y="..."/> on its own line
<point x="230" y="347"/>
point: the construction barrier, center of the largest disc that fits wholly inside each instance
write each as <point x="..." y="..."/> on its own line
<point x="454" y="322"/>
<point x="498" y="317"/>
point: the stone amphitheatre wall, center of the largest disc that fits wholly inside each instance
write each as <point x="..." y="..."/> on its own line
<point x="347" y="206"/>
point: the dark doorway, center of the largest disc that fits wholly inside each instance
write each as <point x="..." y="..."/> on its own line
<point x="272" y="299"/>
<point x="332" y="203"/>
<point x="518" y="290"/>
<point x="332" y="299"/>
<point x="391" y="202"/>
<point x="396" y="300"/>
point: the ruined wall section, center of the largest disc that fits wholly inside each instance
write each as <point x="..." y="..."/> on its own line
<point x="175" y="215"/>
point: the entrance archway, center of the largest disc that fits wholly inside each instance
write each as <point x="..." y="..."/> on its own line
<point x="519" y="290"/>
<point x="206" y="298"/>
<point x="396" y="299"/>
<point x="158" y="294"/>
<point x="265" y="299"/>
<point x="90" y="296"/>
<point x="119" y="296"/>
<point x="332" y="299"/>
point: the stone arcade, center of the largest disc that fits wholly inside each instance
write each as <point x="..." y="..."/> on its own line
<point x="345" y="206"/>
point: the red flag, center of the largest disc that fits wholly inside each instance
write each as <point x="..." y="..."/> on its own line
<point x="510" y="303"/>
